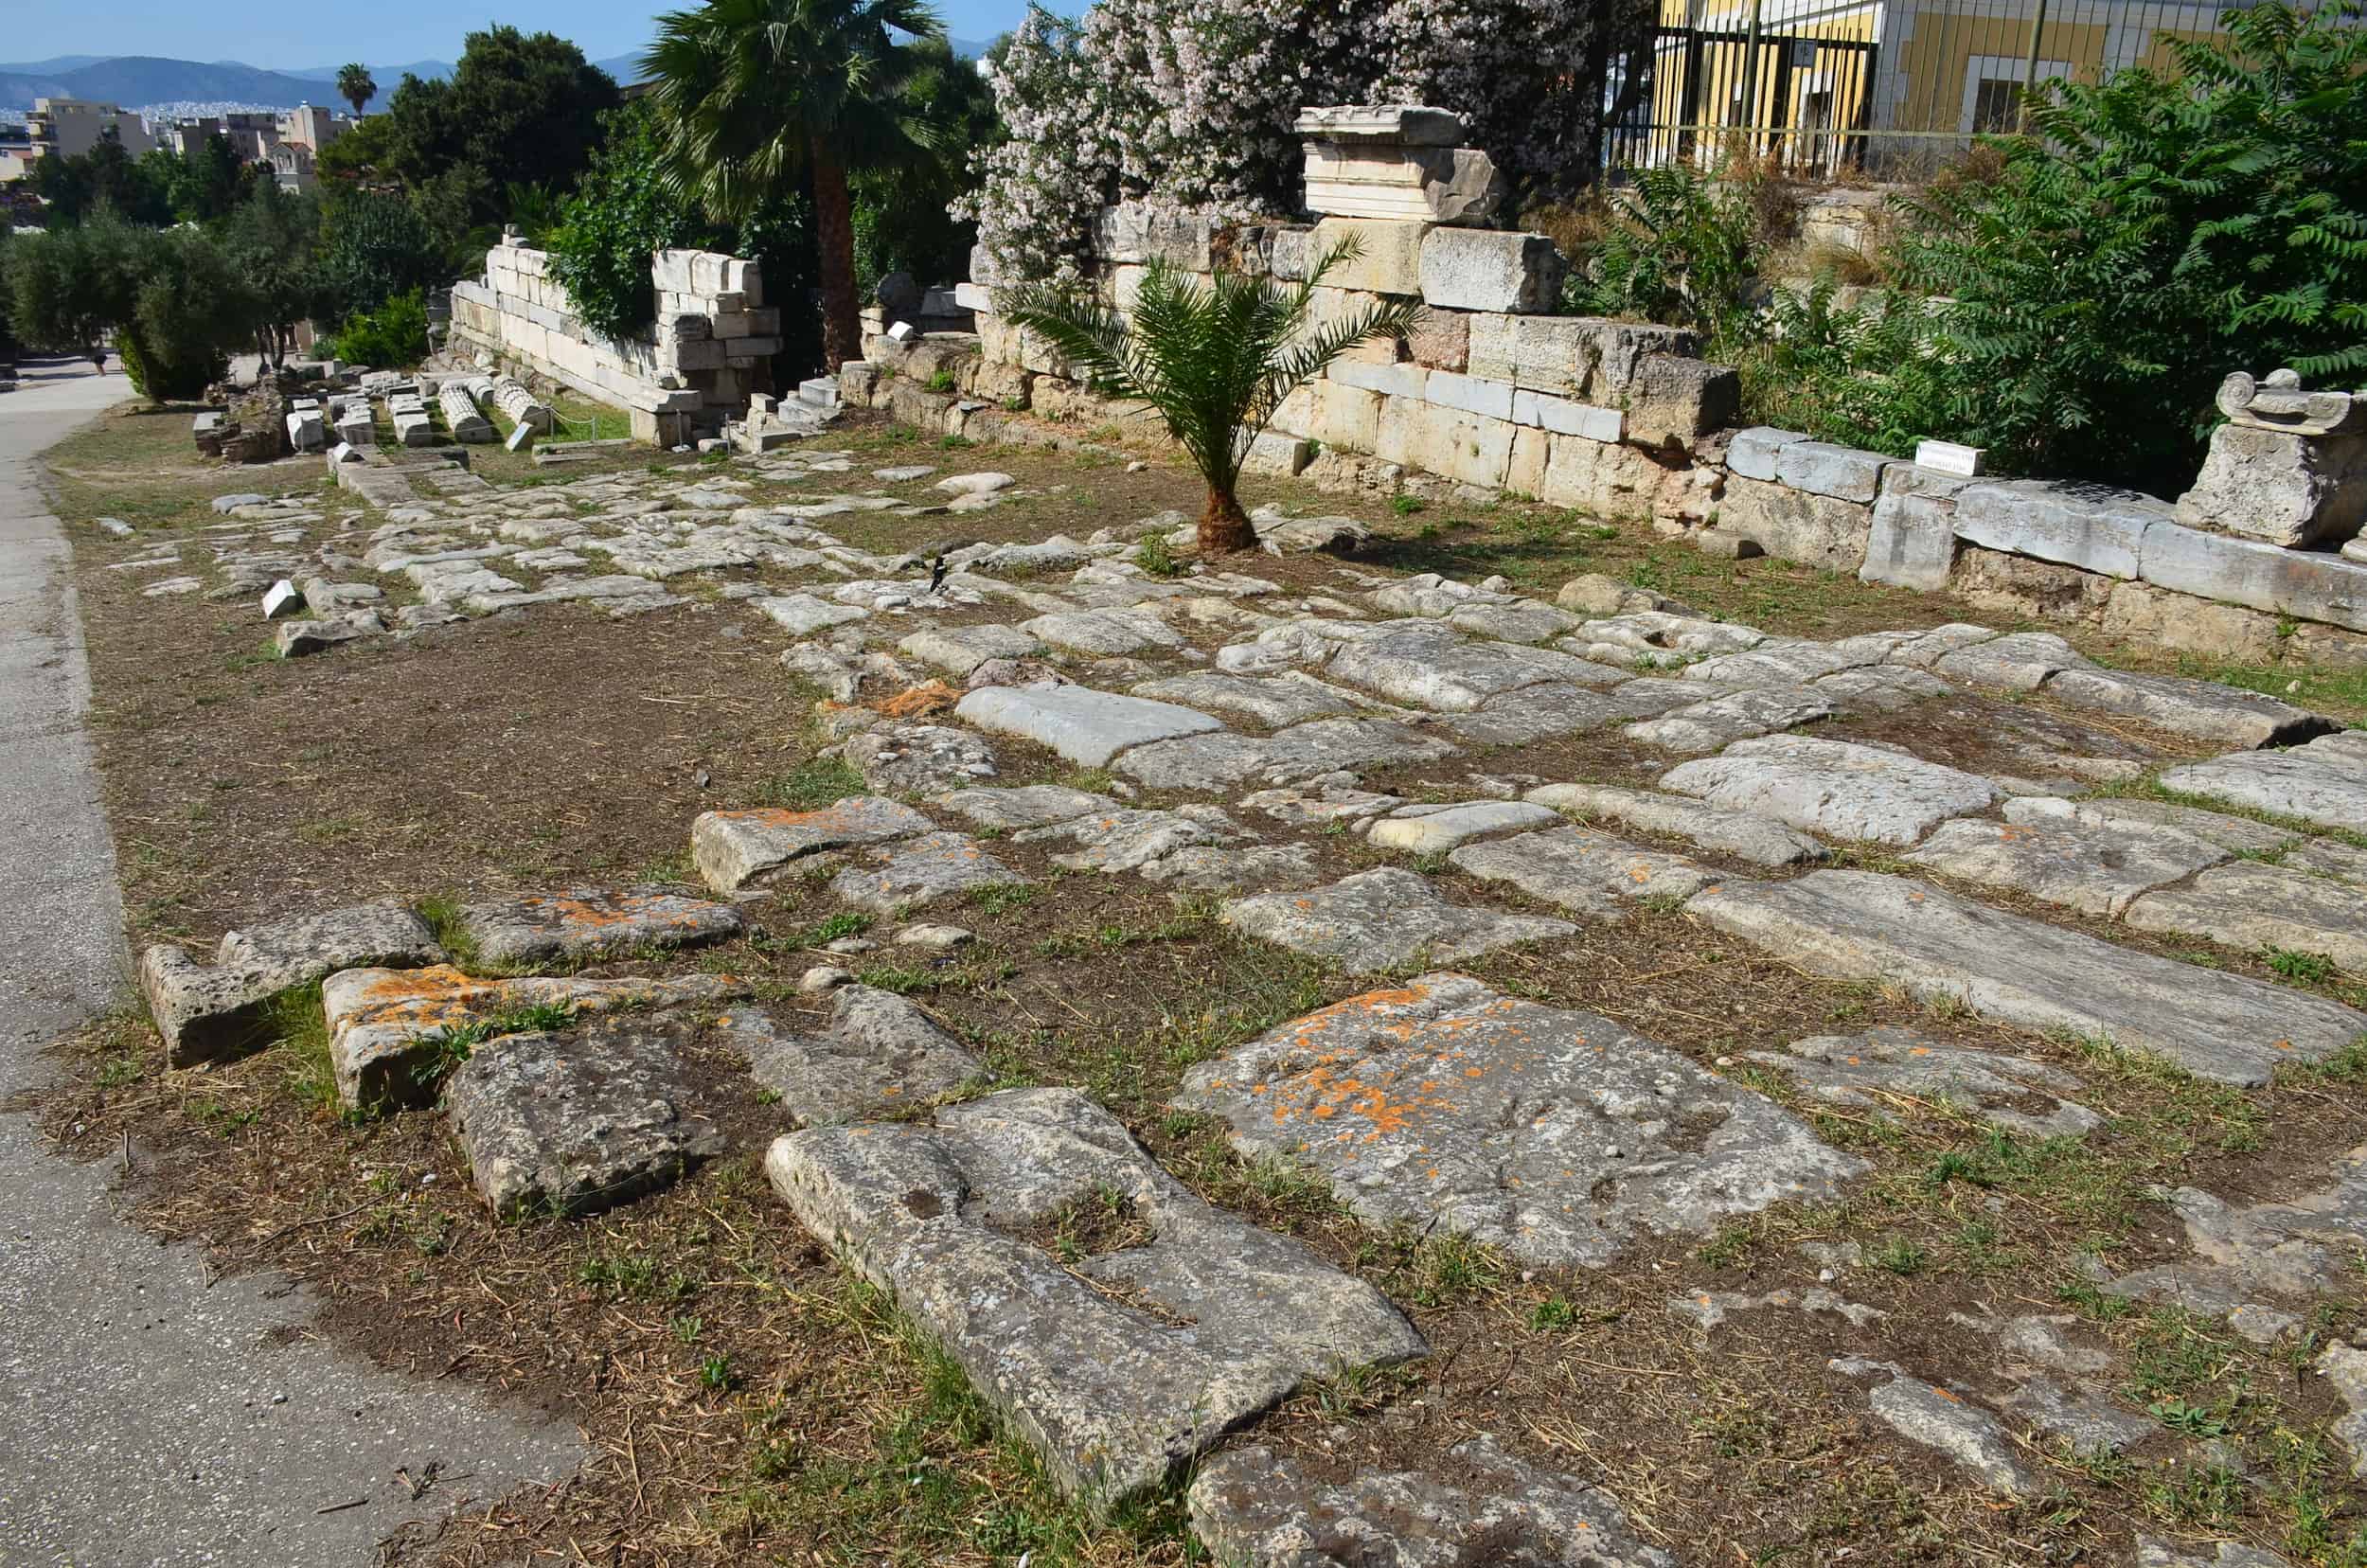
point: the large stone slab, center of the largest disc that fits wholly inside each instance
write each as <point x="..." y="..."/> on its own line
<point x="2248" y="904"/>
<point x="1435" y="828"/>
<point x="2092" y="527"/>
<point x="1721" y="721"/>
<point x="959" y="649"/>
<point x="909" y="758"/>
<point x="1088" y="727"/>
<point x="893" y="879"/>
<point x="1722" y="830"/>
<point x="2203" y="709"/>
<point x="387" y="1027"/>
<point x="2324" y="782"/>
<point x="1449" y="674"/>
<point x="1859" y="925"/>
<point x="1383" y="920"/>
<point x="1871" y="1068"/>
<point x="875" y="1053"/>
<point x="1104" y="632"/>
<point x="1119" y="1366"/>
<point x="206" y="1011"/>
<point x="1119" y="838"/>
<point x="1867" y="794"/>
<point x="592" y="923"/>
<point x="734" y="851"/>
<point x="1579" y="869"/>
<point x="2238" y="835"/>
<point x="1287" y="699"/>
<point x="1028" y="805"/>
<point x="1252" y="1508"/>
<point x="576" y="1122"/>
<point x="1555" y="1134"/>
<point x="1303" y="751"/>
<point x="2094" y="870"/>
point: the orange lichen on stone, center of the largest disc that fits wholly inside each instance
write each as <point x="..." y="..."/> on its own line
<point x="925" y="701"/>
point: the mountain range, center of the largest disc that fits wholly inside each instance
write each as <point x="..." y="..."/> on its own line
<point x="136" y="80"/>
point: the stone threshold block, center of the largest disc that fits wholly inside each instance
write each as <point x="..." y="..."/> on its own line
<point x="1088" y="727"/>
<point x="1555" y="1134"/>
<point x="388" y="1028"/>
<point x="582" y="924"/>
<point x="1861" y="925"/>
<point x="1252" y="1508"/>
<point x="875" y="1053"/>
<point x="205" y="1012"/>
<point x="580" y="1121"/>
<point x="737" y="850"/>
<point x="1179" y="1323"/>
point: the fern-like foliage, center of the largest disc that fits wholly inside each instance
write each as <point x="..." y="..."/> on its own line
<point x="1681" y="249"/>
<point x="1215" y="359"/>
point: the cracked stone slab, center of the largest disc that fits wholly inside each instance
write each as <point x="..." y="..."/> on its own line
<point x="734" y="850"/>
<point x="206" y="1011"/>
<point x="1657" y="639"/>
<point x="876" y="1052"/>
<point x="1777" y="664"/>
<point x="1252" y="1508"/>
<point x="1860" y="1069"/>
<point x="1382" y="920"/>
<point x="1848" y="791"/>
<point x="1433" y="670"/>
<point x="385" y="1026"/>
<point x="1105" y="632"/>
<point x="2079" y="1415"/>
<point x="893" y="879"/>
<point x="580" y="1121"/>
<point x="1721" y="830"/>
<point x="1123" y="839"/>
<point x="1212" y="762"/>
<point x="1432" y="830"/>
<point x="2250" y="904"/>
<point x="1277" y="700"/>
<point x="2324" y="782"/>
<point x="1088" y="727"/>
<point x="2237" y="836"/>
<point x="1879" y="688"/>
<point x="1947" y="1422"/>
<point x="910" y="758"/>
<point x="2203" y="709"/>
<point x="1119" y="1368"/>
<point x="1028" y="805"/>
<point x="1579" y="869"/>
<point x="959" y="649"/>
<point x="802" y="615"/>
<point x="2290" y="1250"/>
<point x="1738" y="716"/>
<point x="1321" y="807"/>
<point x="1543" y="712"/>
<point x="2225" y="1553"/>
<point x="2020" y="661"/>
<point x="592" y="922"/>
<point x="1555" y="1134"/>
<point x="1861" y="925"/>
<point x="2095" y="870"/>
<point x="1518" y="621"/>
<point x="1250" y="868"/>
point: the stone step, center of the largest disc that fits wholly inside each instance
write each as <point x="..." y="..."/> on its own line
<point x="1859" y="925"/>
<point x="1178" y="1322"/>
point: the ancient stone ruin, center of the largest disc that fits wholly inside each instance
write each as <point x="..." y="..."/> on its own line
<point x="2289" y="466"/>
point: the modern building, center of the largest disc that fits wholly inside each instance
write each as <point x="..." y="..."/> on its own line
<point x="291" y="166"/>
<point x="312" y="128"/>
<point x="67" y="128"/>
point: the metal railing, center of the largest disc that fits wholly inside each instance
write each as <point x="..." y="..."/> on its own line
<point x="1883" y="88"/>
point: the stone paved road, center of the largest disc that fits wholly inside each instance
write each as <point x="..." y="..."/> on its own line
<point x="152" y="1420"/>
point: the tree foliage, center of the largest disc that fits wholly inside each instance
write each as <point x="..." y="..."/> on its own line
<point x="174" y="299"/>
<point x="374" y="245"/>
<point x="1681" y="248"/>
<point x="136" y="189"/>
<point x="1215" y="359"/>
<point x="903" y="219"/>
<point x="521" y="108"/>
<point x="392" y="337"/>
<point x="356" y="85"/>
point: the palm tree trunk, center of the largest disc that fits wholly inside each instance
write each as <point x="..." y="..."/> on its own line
<point x="1224" y="527"/>
<point x="834" y="226"/>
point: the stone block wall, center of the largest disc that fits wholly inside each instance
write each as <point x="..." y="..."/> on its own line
<point x="708" y="352"/>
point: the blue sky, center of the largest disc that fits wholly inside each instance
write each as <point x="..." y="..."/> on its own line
<point x="386" y="34"/>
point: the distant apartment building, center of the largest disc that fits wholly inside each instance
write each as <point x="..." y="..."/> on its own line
<point x="67" y="128"/>
<point x="16" y="152"/>
<point x="311" y="128"/>
<point x="252" y="136"/>
<point x="291" y="166"/>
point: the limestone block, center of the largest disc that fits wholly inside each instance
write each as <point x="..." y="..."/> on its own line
<point x="2080" y="523"/>
<point x="1564" y="417"/>
<point x="1824" y="469"/>
<point x="2306" y="584"/>
<point x="1489" y="399"/>
<point x="1753" y="452"/>
<point x="1913" y="541"/>
<point x="1391" y="256"/>
<point x="1141" y="232"/>
<point x="1432" y="184"/>
<point x="1329" y="305"/>
<point x="2015" y="586"/>
<point x="1795" y="525"/>
<point x="2180" y="623"/>
<point x="1441" y="340"/>
<point x="1602" y="478"/>
<point x="1343" y="416"/>
<point x="1273" y="453"/>
<point x="2291" y="490"/>
<point x="1445" y="441"/>
<point x="1466" y="269"/>
<point x="1672" y="398"/>
<point x="1532" y="456"/>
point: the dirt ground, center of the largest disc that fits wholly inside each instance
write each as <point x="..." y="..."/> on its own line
<point x="749" y="1400"/>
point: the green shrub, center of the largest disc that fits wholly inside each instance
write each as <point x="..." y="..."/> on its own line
<point x="391" y="338"/>
<point x="1863" y="376"/>
<point x="1679" y="248"/>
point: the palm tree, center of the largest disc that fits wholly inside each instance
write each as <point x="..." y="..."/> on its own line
<point x="355" y="86"/>
<point x="752" y="95"/>
<point x="1215" y="359"/>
